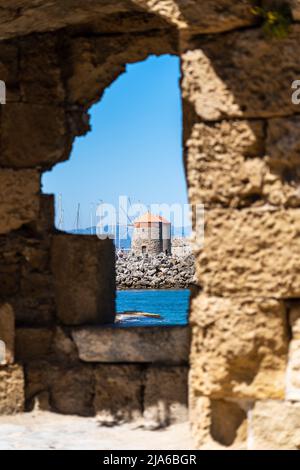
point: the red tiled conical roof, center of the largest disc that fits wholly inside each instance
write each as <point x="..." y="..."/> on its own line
<point x="150" y="218"/>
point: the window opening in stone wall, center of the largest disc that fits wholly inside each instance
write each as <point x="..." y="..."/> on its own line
<point x="125" y="179"/>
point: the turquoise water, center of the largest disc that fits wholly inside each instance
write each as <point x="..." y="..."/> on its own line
<point x="172" y="305"/>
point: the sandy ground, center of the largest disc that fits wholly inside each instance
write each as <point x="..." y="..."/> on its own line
<point x="43" y="430"/>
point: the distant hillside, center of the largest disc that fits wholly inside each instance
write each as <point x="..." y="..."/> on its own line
<point x="125" y="242"/>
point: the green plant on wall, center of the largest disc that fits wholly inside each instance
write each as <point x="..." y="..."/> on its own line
<point x="276" y="19"/>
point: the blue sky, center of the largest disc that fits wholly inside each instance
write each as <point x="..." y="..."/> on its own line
<point x="134" y="147"/>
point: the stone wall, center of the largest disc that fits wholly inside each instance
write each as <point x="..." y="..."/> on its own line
<point x="56" y="287"/>
<point x="241" y="149"/>
<point x="107" y="372"/>
<point x="155" y="272"/>
<point x="241" y="145"/>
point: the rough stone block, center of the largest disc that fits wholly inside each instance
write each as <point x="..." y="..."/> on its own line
<point x="33" y="343"/>
<point x="9" y="70"/>
<point x="63" y="347"/>
<point x="36" y="257"/>
<point x="293" y="371"/>
<point x="227" y="165"/>
<point x="37" y="384"/>
<point x="41" y="402"/>
<point x="165" y="398"/>
<point x="251" y="252"/>
<point x="45" y="221"/>
<point x="218" y="424"/>
<point x="19" y="198"/>
<point x="295" y="7"/>
<point x="84" y="277"/>
<point x="35" y="283"/>
<point x="211" y="16"/>
<point x="169" y="345"/>
<point x="294" y="318"/>
<point x="41" y="16"/>
<point x="97" y="62"/>
<point x="11" y="390"/>
<point x="40" y="71"/>
<point x="35" y="306"/>
<point x="38" y="311"/>
<point x="7" y="332"/>
<point x="22" y="259"/>
<point x="282" y="145"/>
<point x="214" y="16"/>
<point x="118" y="393"/>
<point x="234" y="350"/>
<point x="9" y="275"/>
<point x="245" y="82"/>
<point x="275" y="425"/>
<point x="33" y="136"/>
<point x="19" y="248"/>
<point x="71" y="389"/>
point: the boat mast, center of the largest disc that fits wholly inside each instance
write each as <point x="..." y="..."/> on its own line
<point x="60" y="213"/>
<point x="77" y="222"/>
<point x="92" y="218"/>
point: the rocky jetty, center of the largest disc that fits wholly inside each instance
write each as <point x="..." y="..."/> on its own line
<point x="155" y="272"/>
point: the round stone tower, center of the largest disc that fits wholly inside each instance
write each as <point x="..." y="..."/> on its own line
<point x="151" y="235"/>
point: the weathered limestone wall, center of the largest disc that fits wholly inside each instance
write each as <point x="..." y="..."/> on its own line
<point x="55" y="287"/>
<point x="242" y="154"/>
<point x="241" y="143"/>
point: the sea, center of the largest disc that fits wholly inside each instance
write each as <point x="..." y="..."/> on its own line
<point x="171" y="304"/>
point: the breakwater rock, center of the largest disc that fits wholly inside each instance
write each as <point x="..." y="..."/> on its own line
<point x="155" y="272"/>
